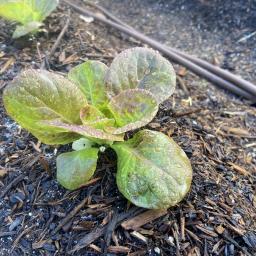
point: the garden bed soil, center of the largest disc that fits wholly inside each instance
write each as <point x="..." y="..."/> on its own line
<point x="216" y="130"/>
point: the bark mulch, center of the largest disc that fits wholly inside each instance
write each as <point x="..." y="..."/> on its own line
<point x="216" y="130"/>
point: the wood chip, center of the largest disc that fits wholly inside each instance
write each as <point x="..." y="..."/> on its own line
<point x="239" y="169"/>
<point x="118" y="249"/>
<point x="207" y="231"/>
<point x="88" y="239"/>
<point x="70" y="59"/>
<point x="226" y="207"/>
<point x="138" y="253"/>
<point x="236" y="131"/>
<point x="95" y="247"/>
<point x="7" y="64"/>
<point x="237" y="230"/>
<point x="182" y="228"/>
<point x="143" y="218"/>
<point x="139" y="236"/>
<point x="219" y="229"/>
<point x="194" y="236"/>
<point x="38" y="245"/>
<point x="216" y="246"/>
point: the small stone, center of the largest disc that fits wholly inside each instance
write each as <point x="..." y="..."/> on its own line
<point x="157" y="250"/>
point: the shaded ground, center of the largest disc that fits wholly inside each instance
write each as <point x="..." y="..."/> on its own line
<point x="208" y="29"/>
<point x="216" y="130"/>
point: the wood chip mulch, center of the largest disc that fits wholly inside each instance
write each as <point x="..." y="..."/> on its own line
<point x="216" y="130"/>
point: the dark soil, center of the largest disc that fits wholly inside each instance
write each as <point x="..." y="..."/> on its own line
<point x="216" y="130"/>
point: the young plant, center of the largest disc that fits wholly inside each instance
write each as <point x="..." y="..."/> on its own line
<point x="28" y="13"/>
<point x="93" y="108"/>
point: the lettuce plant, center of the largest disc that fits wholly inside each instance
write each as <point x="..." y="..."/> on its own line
<point x="28" y="13"/>
<point x="93" y="108"/>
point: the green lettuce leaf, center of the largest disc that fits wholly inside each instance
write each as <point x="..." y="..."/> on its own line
<point x="75" y="168"/>
<point x="25" y="11"/>
<point x="132" y="109"/>
<point x="144" y="69"/>
<point x="153" y="171"/>
<point x="37" y="95"/>
<point x="26" y="29"/>
<point x="91" y="116"/>
<point x="89" y="77"/>
<point x="82" y="143"/>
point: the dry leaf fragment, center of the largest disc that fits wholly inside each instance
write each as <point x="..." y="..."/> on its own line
<point x="3" y="172"/>
<point x="219" y="229"/>
<point x="182" y="71"/>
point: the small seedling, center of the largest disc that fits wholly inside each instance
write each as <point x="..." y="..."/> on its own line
<point x="93" y="108"/>
<point x="28" y="13"/>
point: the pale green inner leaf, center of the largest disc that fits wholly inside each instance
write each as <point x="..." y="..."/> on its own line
<point x="27" y="28"/>
<point x="75" y="168"/>
<point x="82" y="143"/>
<point x="91" y="116"/>
<point x="89" y="76"/>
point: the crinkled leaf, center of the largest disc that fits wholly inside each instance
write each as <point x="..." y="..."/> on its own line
<point x="26" y="29"/>
<point x="75" y="168"/>
<point x="132" y="109"/>
<point x="82" y="143"/>
<point x="91" y="116"/>
<point x="153" y="171"/>
<point x="89" y="76"/>
<point x="144" y="69"/>
<point x="37" y="95"/>
<point x="84" y="130"/>
<point x="25" y="11"/>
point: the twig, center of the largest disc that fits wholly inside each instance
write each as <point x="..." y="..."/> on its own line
<point x="246" y="37"/>
<point x="188" y="112"/>
<point x="25" y="231"/>
<point x="109" y="230"/>
<point x="182" y="85"/>
<point x="57" y="42"/>
<point x="63" y="31"/>
<point x="11" y="184"/>
<point x="172" y="55"/>
<point x="88" y="239"/>
<point x="7" y="233"/>
<point x="228" y="238"/>
<point x="70" y="215"/>
<point x="99" y="231"/>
